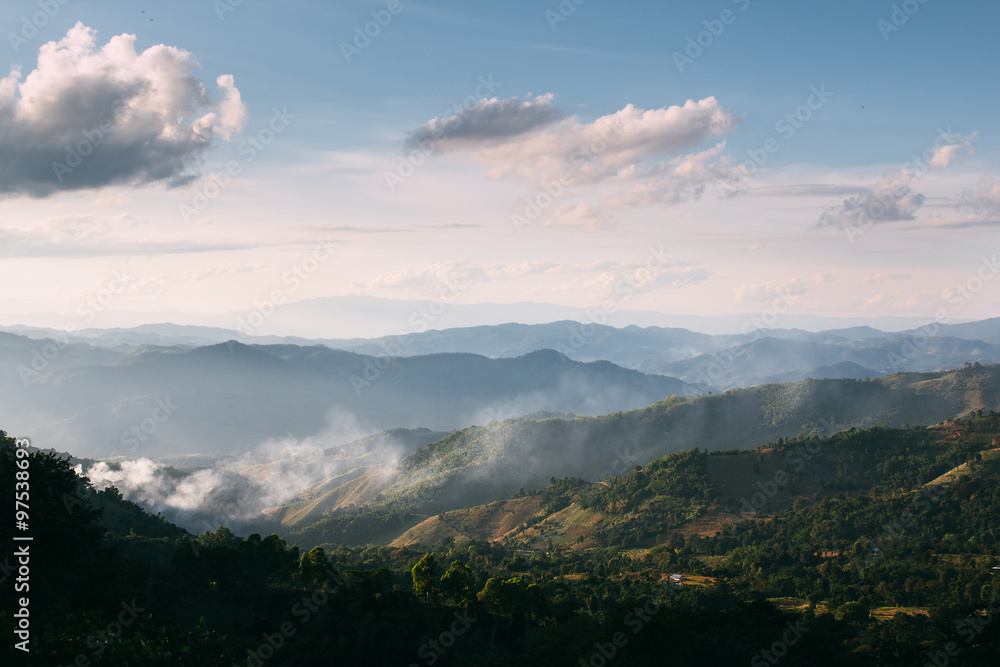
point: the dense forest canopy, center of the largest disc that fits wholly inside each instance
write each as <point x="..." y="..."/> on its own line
<point x="877" y="550"/>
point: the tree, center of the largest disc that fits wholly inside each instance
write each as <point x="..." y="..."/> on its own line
<point x="424" y="575"/>
<point x="457" y="582"/>
<point x="510" y="596"/>
<point x="66" y="531"/>
<point x="313" y="566"/>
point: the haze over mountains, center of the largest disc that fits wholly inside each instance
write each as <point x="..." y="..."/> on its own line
<point x="370" y="317"/>
<point x="293" y="424"/>
<point x="479" y="464"/>
<point x="717" y="361"/>
<point x="232" y="397"/>
<point x="368" y="490"/>
<point x="527" y="450"/>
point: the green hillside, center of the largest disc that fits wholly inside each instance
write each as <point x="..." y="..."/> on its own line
<point x="872" y="547"/>
<point x="482" y="463"/>
<point x="697" y="493"/>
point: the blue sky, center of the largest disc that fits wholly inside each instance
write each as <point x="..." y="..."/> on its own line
<point x="837" y="221"/>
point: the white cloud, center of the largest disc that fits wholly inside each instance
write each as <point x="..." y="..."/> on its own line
<point x="611" y="147"/>
<point x="501" y="271"/>
<point x="643" y="278"/>
<point x="984" y="199"/>
<point x="673" y="181"/>
<point x="582" y="214"/>
<point x="488" y="120"/>
<point x="462" y="273"/>
<point x="881" y="277"/>
<point x="598" y="278"/>
<point x="208" y="272"/>
<point x="876" y="301"/>
<point x="925" y="301"/>
<point x="126" y="117"/>
<point x="425" y="279"/>
<point x="891" y="198"/>
<point x="528" y="140"/>
<point x="944" y="153"/>
<point x="775" y="289"/>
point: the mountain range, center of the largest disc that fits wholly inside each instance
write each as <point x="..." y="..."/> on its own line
<point x="718" y="361"/>
<point x="400" y="477"/>
<point x="366" y="316"/>
<point x="230" y="397"/>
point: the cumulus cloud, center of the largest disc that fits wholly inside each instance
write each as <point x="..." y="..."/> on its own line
<point x="637" y="157"/>
<point x="676" y="180"/>
<point x="892" y="198"/>
<point x="89" y="116"/>
<point x="611" y="147"/>
<point x="984" y="199"/>
<point x="943" y="155"/>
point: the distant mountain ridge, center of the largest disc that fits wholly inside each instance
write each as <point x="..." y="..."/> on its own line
<point x="230" y="397"/>
<point x="352" y="316"/>
<point x="712" y="361"/>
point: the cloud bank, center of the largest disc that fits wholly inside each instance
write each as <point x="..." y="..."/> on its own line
<point x="89" y="116"/>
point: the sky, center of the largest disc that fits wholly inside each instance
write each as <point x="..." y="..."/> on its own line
<point x="713" y="158"/>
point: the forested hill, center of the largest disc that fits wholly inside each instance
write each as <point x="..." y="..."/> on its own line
<point x="698" y="493"/>
<point x="888" y="565"/>
<point x="482" y="463"/>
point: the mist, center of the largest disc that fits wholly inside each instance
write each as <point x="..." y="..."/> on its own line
<point x="238" y="490"/>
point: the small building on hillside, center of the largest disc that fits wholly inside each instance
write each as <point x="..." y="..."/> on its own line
<point x="677" y="578"/>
